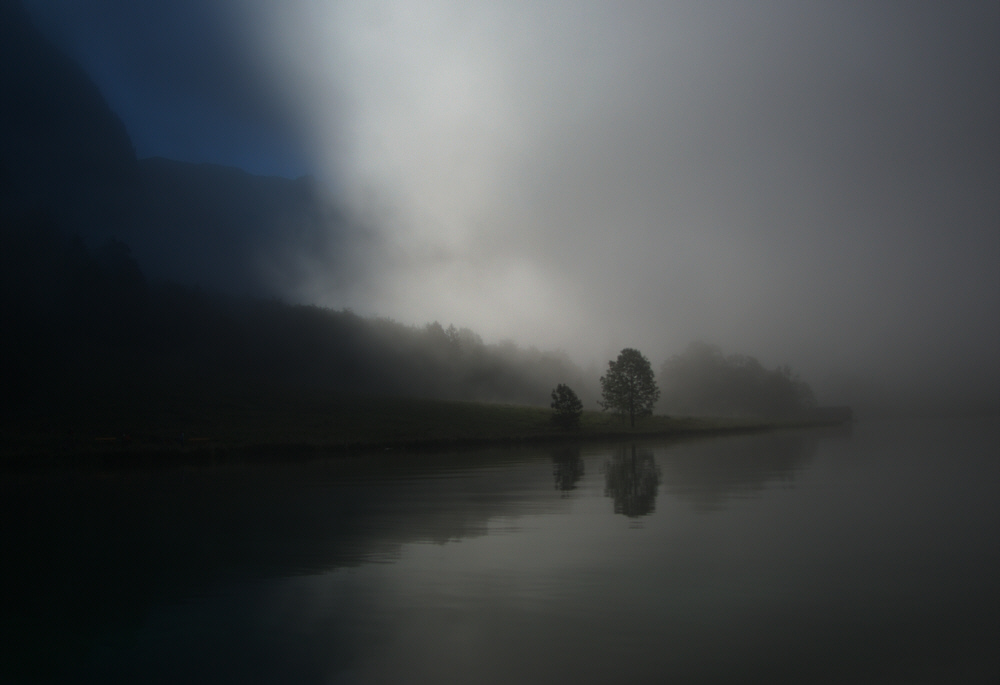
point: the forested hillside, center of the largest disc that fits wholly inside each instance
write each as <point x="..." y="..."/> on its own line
<point x="702" y="380"/>
<point x="80" y="326"/>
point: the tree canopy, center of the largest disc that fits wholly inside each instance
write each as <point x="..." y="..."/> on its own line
<point x="704" y="381"/>
<point x="629" y="388"/>
<point x="566" y="407"/>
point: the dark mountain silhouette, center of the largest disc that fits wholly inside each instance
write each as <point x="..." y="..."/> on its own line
<point x="65" y="152"/>
<point x="61" y="146"/>
<point x="230" y="231"/>
<point x="85" y="328"/>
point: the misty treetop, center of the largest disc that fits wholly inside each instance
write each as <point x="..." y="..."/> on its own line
<point x="702" y="380"/>
<point x="629" y="388"/>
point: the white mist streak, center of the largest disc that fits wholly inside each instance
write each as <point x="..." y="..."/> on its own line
<point x="451" y="130"/>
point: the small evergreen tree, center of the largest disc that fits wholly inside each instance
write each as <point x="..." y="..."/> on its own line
<point x="566" y="407"/>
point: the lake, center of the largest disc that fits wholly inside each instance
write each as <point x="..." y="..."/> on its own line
<point x="866" y="554"/>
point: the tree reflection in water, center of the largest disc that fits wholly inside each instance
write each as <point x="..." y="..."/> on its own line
<point x="567" y="467"/>
<point x="632" y="478"/>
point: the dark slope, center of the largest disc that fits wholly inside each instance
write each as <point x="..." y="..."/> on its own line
<point x="64" y="152"/>
<point x="230" y="231"/>
<point x="61" y="146"/>
<point x="85" y="335"/>
<point x="87" y="327"/>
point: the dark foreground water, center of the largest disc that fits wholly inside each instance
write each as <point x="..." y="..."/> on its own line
<point x="867" y="555"/>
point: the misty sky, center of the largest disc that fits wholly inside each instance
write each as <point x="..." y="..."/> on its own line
<point x="810" y="183"/>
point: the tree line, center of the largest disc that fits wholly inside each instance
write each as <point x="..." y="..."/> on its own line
<point x="701" y="380"/>
<point x="81" y="323"/>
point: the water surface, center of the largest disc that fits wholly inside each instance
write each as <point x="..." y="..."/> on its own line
<point x="861" y="555"/>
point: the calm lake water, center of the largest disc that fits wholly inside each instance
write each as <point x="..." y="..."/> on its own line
<point x="864" y="555"/>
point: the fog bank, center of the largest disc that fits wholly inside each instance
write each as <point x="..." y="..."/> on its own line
<point x="814" y="185"/>
<point x="802" y="182"/>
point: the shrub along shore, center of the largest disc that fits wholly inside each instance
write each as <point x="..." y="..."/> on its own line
<point x="278" y="425"/>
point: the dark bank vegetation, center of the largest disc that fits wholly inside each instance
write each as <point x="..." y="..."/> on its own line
<point x="703" y="381"/>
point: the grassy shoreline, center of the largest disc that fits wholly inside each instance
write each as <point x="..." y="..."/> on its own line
<point x="277" y="425"/>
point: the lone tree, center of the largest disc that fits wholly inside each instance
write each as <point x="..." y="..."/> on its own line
<point x="628" y="388"/>
<point x="566" y="407"/>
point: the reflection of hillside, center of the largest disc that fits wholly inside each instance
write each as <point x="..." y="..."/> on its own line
<point x="710" y="472"/>
<point x="91" y="555"/>
<point x="632" y="478"/>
